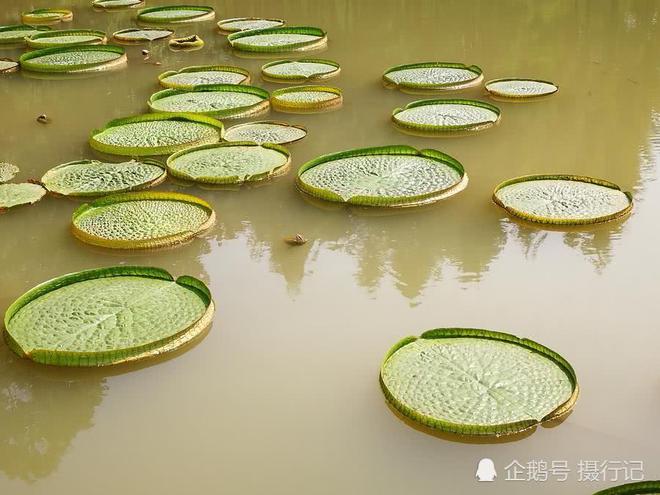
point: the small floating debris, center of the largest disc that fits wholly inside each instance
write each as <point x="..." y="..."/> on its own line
<point x="19" y="194"/>
<point x="267" y="131"/>
<point x="66" y="37"/>
<point x="141" y="35"/>
<point x="47" y="16"/>
<point x="74" y="59"/>
<point x="296" y="240"/>
<point x="175" y="14"/>
<point x="438" y="117"/>
<point x="229" y="26"/>
<point x="43" y="119"/>
<point x="201" y="75"/>
<point x="432" y="76"/>
<point x="305" y="70"/>
<point x="193" y="42"/>
<point x="279" y="39"/>
<point x="306" y="99"/>
<point x="520" y="88"/>
<point x="7" y="172"/>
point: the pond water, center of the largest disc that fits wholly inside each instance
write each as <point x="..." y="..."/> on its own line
<point x="282" y="394"/>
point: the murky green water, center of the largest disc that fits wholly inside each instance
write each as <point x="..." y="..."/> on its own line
<point x="282" y="395"/>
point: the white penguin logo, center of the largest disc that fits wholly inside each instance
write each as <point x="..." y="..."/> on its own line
<point x="486" y="470"/>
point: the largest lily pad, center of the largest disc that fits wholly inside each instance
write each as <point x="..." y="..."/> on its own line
<point x="95" y="178"/>
<point x="142" y="220"/>
<point x="395" y="176"/>
<point x="20" y="194"/>
<point x="433" y="117"/>
<point x="279" y="39"/>
<point x="218" y="100"/>
<point x="155" y="134"/>
<point x="66" y="37"/>
<point x="16" y="33"/>
<point x="562" y="199"/>
<point x="432" y="76"/>
<point x="47" y="16"/>
<point x="477" y="382"/>
<point x="638" y="488"/>
<point x="175" y="14"/>
<point x="202" y="75"/>
<point x="74" y="59"/>
<point x="107" y="316"/>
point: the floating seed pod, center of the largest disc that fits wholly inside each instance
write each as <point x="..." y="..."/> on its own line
<point x="229" y="163"/>
<point x="432" y="77"/>
<point x="16" y="33"/>
<point x="202" y="75"/>
<point x="20" y="194"/>
<point x="437" y="117"/>
<point x="155" y="134"/>
<point x="267" y="131"/>
<point x="47" y="16"/>
<point x="175" y="14"/>
<point x="7" y="172"/>
<point x="296" y="240"/>
<point x="638" y="488"/>
<point x="562" y="199"/>
<point x="116" y="4"/>
<point x="7" y="66"/>
<point x="94" y="178"/>
<point x="520" y="88"/>
<point x="396" y="176"/>
<point x="107" y="316"/>
<point x="295" y="71"/>
<point x="279" y="39"/>
<point x="74" y="59"/>
<point x="219" y="100"/>
<point x="64" y="37"/>
<point x="142" y="220"/>
<point x="193" y="42"/>
<point x="306" y="99"/>
<point x="141" y="35"/>
<point x="477" y="382"/>
<point x="236" y="24"/>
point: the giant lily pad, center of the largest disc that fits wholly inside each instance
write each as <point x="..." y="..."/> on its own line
<point x="279" y="39"/>
<point x="383" y="176"/>
<point x="235" y="24"/>
<point x="175" y="14"/>
<point x="47" y="16"/>
<point x="155" y="134"/>
<point x="107" y="316"/>
<point x="218" y="100"/>
<point x="638" y="488"/>
<point x="116" y="4"/>
<point x="432" y="76"/>
<point x="562" y="199"/>
<point x="229" y="163"/>
<point x="142" y="220"/>
<point x="95" y="178"/>
<point x="7" y="171"/>
<point x="266" y="132"/>
<point x="66" y="37"/>
<point x="305" y="70"/>
<point x="305" y="99"/>
<point x="74" y="59"/>
<point x="434" y="117"/>
<point x="20" y="194"/>
<point x="477" y="382"/>
<point x="16" y="33"/>
<point x="141" y="35"/>
<point x="202" y="75"/>
<point x="520" y="88"/>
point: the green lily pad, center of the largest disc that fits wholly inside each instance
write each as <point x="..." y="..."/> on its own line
<point x="175" y="14"/>
<point x="638" y="488"/>
<point x="107" y="316"/>
<point x="16" y="33"/>
<point x="20" y="194"/>
<point x="7" y="171"/>
<point x="116" y="4"/>
<point x="304" y="70"/>
<point x="520" y="88"/>
<point x="7" y="66"/>
<point x="477" y="382"/>
<point x="203" y="75"/>
<point x="432" y="76"/>
<point x="394" y="176"/>
<point x="279" y="39"/>
<point x="304" y="99"/>
<point x="142" y="220"/>
<point x="155" y="134"/>
<point x="95" y="178"/>
<point x="229" y="163"/>
<point x="235" y="24"/>
<point x="47" y="16"/>
<point x="74" y="59"/>
<point x="141" y="35"/>
<point x="219" y="100"/>
<point x="189" y="43"/>
<point x="66" y="37"/>
<point x="266" y="132"/>
<point x="562" y="199"/>
<point x="440" y="116"/>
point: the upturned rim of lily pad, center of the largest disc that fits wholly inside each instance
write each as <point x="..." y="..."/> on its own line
<point x="431" y="129"/>
<point x="499" y="430"/>
<point x="153" y="243"/>
<point x="238" y="19"/>
<point x="637" y="488"/>
<point x="300" y="78"/>
<point x="569" y="177"/>
<point x="432" y="87"/>
<point x="201" y="68"/>
<point x="208" y="15"/>
<point x="117" y="35"/>
<point x="24" y="60"/>
<point x="301" y="106"/>
<point x="388" y="202"/>
<point x="112" y="357"/>
<point x="509" y="96"/>
<point x="234" y="39"/>
<point x="20" y="27"/>
<point x="40" y="40"/>
<point x="58" y="15"/>
<point x="98" y="4"/>
<point x="270" y="122"/>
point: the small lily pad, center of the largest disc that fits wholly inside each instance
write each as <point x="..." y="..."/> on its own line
<point x="142" y="220"/>
<point x="95" y="178"/>
<point x="432" y="76"/>
<point x="107" y="316"/>
<point x="175" y="14"/>
<point x="266" y="132"/>
<point x="304" y="70"/>
<point x="74" y="59"/>
<point x="435" y="117"/>
<point x="233" y="25"/>
<point x="116" y="4"/>
<point x="562" y="199"/>
<point x="16" y="33"/>
<point x="192" y="42"/>
<point x="219" y="100"/>
<point x="477" y="382"/>
<point x="7" y="66"/>
<point x="203" y="75"/>
<point x="20" y="194"/>
<point x="66" y="37"/>
<point x="47" y="16"/>
<point x="7" y="172"/>
<point x="279" y="39"/>
<point x="229" y="163"/>
<point x="638" y="488"/>
<point x="141" y="35"/>
<point x="304" y="99"/>
<point x="395" y="176"/>
<point x="520" y="88"/>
